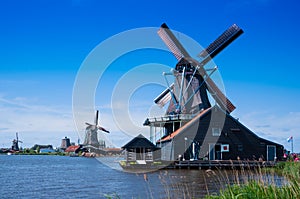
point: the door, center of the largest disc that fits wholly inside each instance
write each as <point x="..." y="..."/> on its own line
<point x="215" y="152"/>
<point x="218" y="155"/>
<point x="211" y="151"/>
<point x="271" y="152"/>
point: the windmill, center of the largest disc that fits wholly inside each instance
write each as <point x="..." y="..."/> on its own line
<point x="91" y="133"/>
<point x="188" y="94"/>
<point x="15" y="143"/>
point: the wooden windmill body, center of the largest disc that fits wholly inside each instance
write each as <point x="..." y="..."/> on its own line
<point x="91" y="134"/>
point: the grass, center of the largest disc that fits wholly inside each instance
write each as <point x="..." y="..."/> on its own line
<point x="257" y="183"/>
<point x="265" y="188"/>
<point x="35" y="153"/>
<point x="291" y="170"/>
<point x="255" y="189"/>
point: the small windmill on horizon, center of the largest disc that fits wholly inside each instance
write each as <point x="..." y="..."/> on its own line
<point x="91" y="133"/>
<point x="15" y="143"/>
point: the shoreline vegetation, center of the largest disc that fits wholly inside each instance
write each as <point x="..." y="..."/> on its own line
<point x="58" y="153"/>
<point x="280" y="181"/>
<point x="265" y="184"/>
<point x="34" y="152"/>
<point x="46" y="153"/>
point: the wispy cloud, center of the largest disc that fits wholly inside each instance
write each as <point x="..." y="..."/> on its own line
<point x="125" y="119"/>
<point x="28" y="117"/>
<point x="275" y="126"/>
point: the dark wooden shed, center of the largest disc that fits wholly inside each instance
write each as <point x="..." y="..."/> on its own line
<point x="140" y="149"/>
<point x="215" y="135"/>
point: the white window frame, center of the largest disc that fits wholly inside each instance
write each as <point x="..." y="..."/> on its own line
<point x="216" y="131"/>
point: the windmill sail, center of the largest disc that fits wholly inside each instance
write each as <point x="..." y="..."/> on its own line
<point x="222" y="41"/>
<point x="213" y="49"/>
<point x="171" y="41"/>
<point x="96" y="117"/>
<point x="162" y="99"/>
<point x="103" y="129"/>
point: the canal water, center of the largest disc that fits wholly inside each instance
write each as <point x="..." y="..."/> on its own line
<point x="78" y="177"/>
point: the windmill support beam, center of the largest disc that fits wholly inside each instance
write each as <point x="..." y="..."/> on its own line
<point x="181" y="90"/>
<point x="191" y="97"/>
<point x="220" y="98"/>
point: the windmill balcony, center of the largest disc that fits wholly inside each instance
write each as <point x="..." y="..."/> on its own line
<point x="160" y="121"/>
<point x="165" y="125"/>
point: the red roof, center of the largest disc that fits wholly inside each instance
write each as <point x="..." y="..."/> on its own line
<point x="72" y="148"/>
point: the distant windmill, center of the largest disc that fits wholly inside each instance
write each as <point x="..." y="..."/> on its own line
<point x="15" y="143"/>
<point x="91" y="136"/>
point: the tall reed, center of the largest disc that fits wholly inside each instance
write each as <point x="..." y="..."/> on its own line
<point x="263" y="183"/>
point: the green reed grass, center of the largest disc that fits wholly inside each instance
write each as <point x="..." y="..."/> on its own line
<point x="257" y="186"/>
<point x="257" y="190"/>
<point x="242" y="183"/>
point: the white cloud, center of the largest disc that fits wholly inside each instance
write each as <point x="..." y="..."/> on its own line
<point x="38" y="123"/>
<point x="125" y="119"/>
<point x="276" y="127"/>
<point x="48" y="124"/>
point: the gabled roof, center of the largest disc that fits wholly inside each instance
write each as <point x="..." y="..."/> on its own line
<point x="182" y="129"/>
<point x="139" y="142"/>
<point x="202" y="115"/>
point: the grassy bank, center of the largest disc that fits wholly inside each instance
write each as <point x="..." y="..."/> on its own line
<point x="33" y="152"/>
<point x="281" y="181"/>
<point x="261" y="188"/>
<point x="258" y="190"/>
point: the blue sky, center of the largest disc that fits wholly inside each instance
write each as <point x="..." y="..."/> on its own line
<point x="44" y="43"/>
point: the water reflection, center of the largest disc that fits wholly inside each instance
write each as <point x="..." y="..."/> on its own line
<point x="57" y="176"/>
<point x="198" y="183"/>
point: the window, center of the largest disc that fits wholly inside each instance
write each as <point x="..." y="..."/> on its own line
<point x="240" y="147"/>
<point x="216" y="131"/>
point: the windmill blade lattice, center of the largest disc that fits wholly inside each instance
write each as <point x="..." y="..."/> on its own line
<point x="212" y="50"/>
<point x="171" y="41"/>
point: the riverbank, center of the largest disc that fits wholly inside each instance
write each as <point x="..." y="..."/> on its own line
<point x="33" y="153"/>
<point x="262" y="188"/>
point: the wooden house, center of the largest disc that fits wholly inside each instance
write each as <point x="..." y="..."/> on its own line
<point x="139" y="149"/>
<point x="213" y="134"/>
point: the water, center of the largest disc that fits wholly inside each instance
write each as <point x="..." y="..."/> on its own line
<point x="78" y="177"/>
